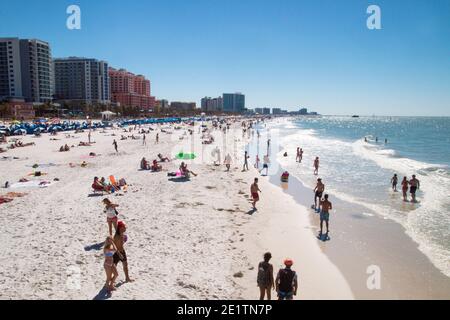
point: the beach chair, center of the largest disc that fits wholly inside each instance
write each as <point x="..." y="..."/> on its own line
<point x="114" y="183"/>
<point x="97" y="189"/>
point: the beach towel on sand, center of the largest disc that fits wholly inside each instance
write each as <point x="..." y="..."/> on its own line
<point x="5" y="200"/>
<point x="31" y="184"/>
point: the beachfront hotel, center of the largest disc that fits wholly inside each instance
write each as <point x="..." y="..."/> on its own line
<point x="209" y="104"/>
<point x="25" y="70"/>
<point x="233" y="102"/>
<point x="131" y="90"/>
<point x="81" y="80"/>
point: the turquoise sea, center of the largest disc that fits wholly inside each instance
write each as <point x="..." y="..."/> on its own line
<point x="360" y="172"/>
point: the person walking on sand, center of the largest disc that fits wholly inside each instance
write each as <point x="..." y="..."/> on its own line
<point x="268" y="145"/>
<point x="318" y="191"/>
<point x="115" y="145"/>
<point x="257" y="162"/>
<point x="120" y="256"/>
<point x="316" y="166"/>
<point x="89" y="137"/>
<point x="157" y="138"/>
<point x="266" y="162"/>
<point x="325" y="213"/>
<point x="286" y="282"/>
<point x="414" y="184"/>
<point x="254" y="189"/>
<point x="394" y="182"/>
<point x="405" y="186"/>
<point x="109" y="250"/>
<point x="111" y="214"/>
<point x="265" y="278"/>
<point x="246" y="156"/>
<point x="227" y="161"/>
<point x="144" y="142"/>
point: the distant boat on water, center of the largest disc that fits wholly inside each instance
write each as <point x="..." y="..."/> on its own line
<point x="355" y="116"/>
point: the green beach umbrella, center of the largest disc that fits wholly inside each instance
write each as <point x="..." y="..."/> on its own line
<point x="186" y="156"/>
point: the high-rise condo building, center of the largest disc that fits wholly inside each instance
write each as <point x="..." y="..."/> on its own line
<point x="82" y="80"/>
<point x="234" y="102"/>
<point x="212" y="104"/>
<point x="26" y="70"/>
<point x="131" y="90"/>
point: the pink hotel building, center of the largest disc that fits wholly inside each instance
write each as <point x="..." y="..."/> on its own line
<point x="131" y="90"/>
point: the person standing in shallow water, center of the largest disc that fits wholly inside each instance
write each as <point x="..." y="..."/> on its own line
<point x="394" y="182"/>
<point x="325" y="214"/>
<point x="316" y="166"/>
<point x="405" y="186"/>
<point x="265" y="278"/>
<point x="414" y="184"/>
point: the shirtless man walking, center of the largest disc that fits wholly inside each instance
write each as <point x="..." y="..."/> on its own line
<point x="414" y="184"/>
<point x="318" y="191"/>
<point x="119" y="240"/>
<point x="325" y="213"/>
<point x="254" y="189"/>
<point x="316" y="166"/>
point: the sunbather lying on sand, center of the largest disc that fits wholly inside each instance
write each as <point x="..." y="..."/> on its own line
<point x="163" y="159"/>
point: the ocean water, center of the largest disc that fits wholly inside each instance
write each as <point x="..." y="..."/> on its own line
<point x="359" y="171"/>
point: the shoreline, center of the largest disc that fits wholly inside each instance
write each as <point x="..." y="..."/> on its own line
<point x="356" y="245"/>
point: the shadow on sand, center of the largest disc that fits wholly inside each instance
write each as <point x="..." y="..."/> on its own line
<point x="97" y="247"/>
<point x="103" y="294"/>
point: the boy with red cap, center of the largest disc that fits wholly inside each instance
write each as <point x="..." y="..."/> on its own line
<point x="119" y="240"/>
<point x="286" y="282"/>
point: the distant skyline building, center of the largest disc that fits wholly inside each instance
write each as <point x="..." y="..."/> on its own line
<point x="183" y="106"/>
<point x="233" y="102"/>
<point x="131" y="90"/>
<point x="82" y="80"/>
<point x="276" y="111"/>
<point x="259" y="110"/>
<point x="303" y="111"/>
<point x="266" y="111"/>
<point x="26" y="70"/>
<point x="209" y="104"/>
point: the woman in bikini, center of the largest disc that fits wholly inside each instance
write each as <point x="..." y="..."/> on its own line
<point x="111" y="214"/>
<point x="110" y="268"/>
<point x="405" y="184"/>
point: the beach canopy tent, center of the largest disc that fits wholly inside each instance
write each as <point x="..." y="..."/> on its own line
<point x="106" y="115"/>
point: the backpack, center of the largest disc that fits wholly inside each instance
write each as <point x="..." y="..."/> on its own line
<point x="286" y="280"/>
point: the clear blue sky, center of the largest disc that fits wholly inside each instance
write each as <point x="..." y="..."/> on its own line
<point x="280" y="53"/>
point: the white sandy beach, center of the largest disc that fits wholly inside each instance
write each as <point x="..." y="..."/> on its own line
<point x="187" y="240"/>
